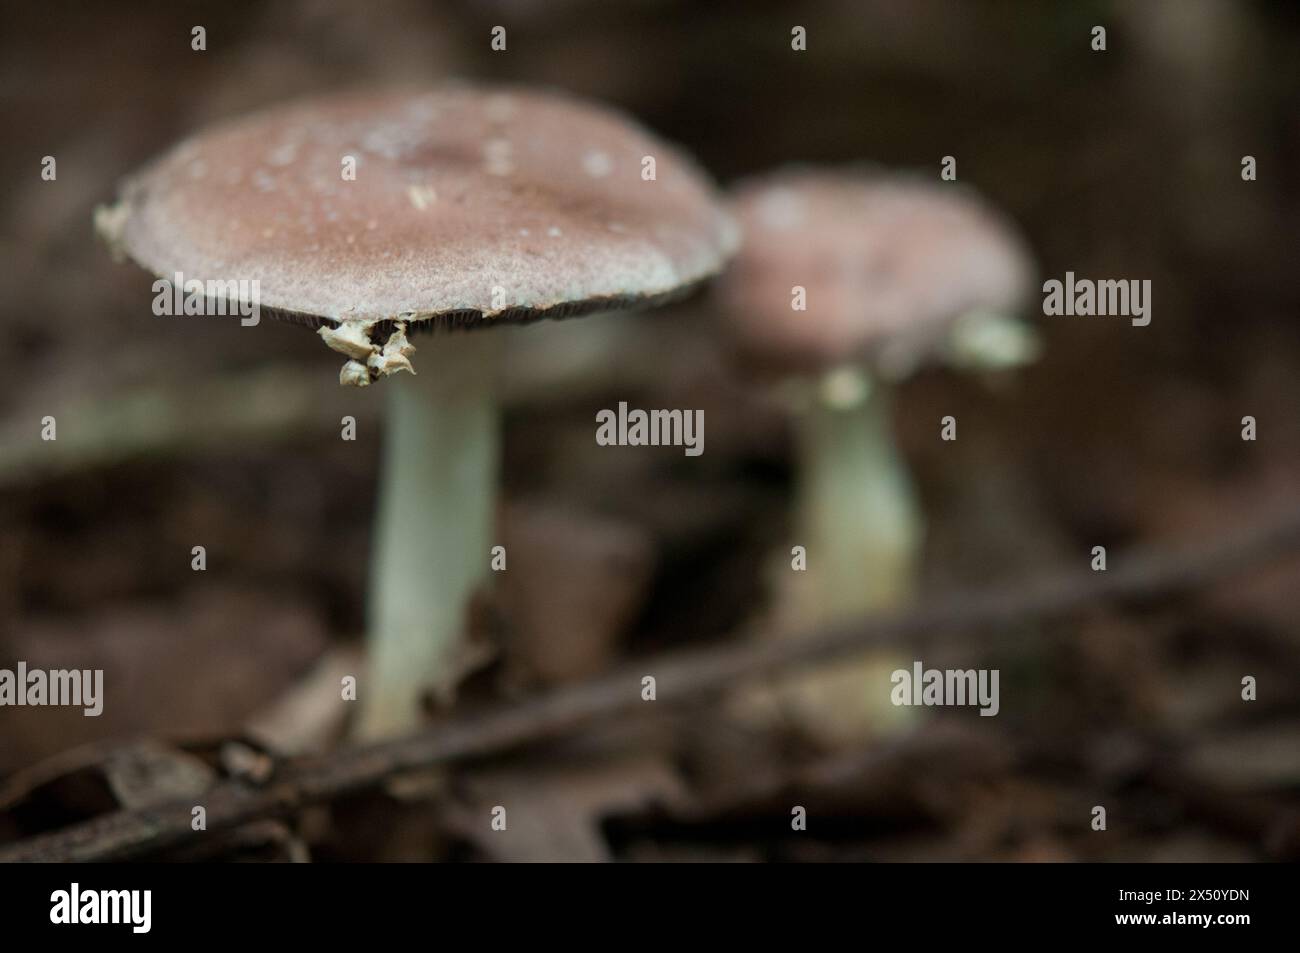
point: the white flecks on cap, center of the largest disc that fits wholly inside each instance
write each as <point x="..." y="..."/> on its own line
<point x="433" y="176"/>
<point x="781" y="208"/>
<point x="421" y="196"/>
<point x="597" y="164"/>
<point x="283" y="154"/>
<point x="497" y="157"/>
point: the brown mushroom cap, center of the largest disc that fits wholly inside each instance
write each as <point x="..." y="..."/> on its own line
<point x="469" y="206"/>
<point x="888" y="264"/>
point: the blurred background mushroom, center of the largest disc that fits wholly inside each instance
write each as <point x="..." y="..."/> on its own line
<point x="1126" y="163"/>
<point x="849" y="281"/>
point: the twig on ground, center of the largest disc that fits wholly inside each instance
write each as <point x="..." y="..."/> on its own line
<point x="132" y="833"/>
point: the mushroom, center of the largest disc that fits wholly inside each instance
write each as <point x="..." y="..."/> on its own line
<point x="373" y="216"/>
<point x="892" y="273"/>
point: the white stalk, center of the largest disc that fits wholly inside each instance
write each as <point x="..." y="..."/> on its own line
<point x="434" y="528"/>
<point x="856" y="508"/>
<point x="857" y="516"/>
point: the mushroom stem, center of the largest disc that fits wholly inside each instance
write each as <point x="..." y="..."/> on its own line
<point x="856" y="508"/>
<point x="857" y="517"/>
<point x="434" y="530"/>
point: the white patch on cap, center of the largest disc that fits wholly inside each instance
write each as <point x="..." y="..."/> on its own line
<point x="597" y="164"/>
<point x="284" y="154"/>
<point x="421" y="196"/>
<point x="497" y="154"/>
<point x="781" y="209"/>
<point x="424" y="110"/>
<point x="391" y="140"/>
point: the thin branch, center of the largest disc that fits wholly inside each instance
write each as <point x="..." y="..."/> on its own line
<point x="681" y="675"/>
